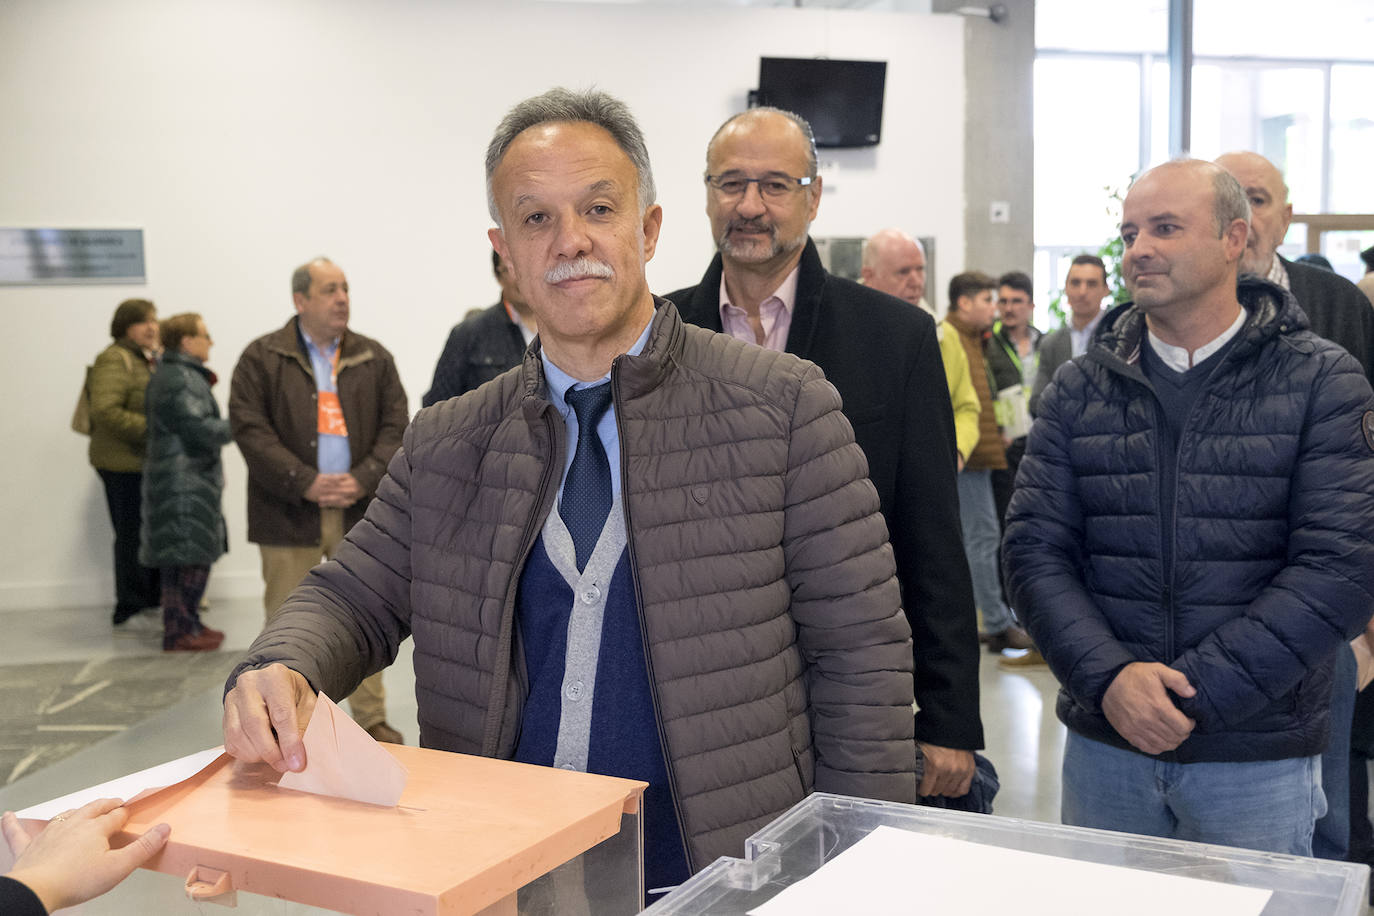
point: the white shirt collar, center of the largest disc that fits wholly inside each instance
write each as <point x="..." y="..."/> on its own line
<point x="1177" y="358"/>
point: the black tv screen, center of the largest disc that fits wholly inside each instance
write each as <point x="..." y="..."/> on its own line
<point x="843" y="99"/>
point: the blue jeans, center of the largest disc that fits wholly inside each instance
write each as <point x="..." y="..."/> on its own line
<point x="978" y="519"/>
<point x="1332" y="839"/>
<point x="1270" y="805"/>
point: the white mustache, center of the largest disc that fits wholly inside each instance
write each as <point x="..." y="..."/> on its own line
<point x="572" y="270"/>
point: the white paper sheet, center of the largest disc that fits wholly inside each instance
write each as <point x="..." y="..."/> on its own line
<point x="897" y="871"/>
<point x="127" y="787"/>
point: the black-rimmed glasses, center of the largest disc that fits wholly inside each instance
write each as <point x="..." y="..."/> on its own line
<point x="772" y="186"/>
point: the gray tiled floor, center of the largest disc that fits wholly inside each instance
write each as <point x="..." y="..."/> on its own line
<point x="191" y="725"/>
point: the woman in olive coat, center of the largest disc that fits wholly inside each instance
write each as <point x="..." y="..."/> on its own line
<point x="119" y="431"/>
<point x="183" y="527"/>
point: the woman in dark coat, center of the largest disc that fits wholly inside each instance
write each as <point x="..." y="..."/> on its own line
<point x="183" y="527"/>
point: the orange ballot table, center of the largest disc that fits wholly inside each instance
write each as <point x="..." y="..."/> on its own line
<point x="467" y="835"/>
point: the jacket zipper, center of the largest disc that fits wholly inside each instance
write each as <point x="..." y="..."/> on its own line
<point x="1171" y="580"/>
<point x="1167" y="598"/>
<point x="643" y="632"/>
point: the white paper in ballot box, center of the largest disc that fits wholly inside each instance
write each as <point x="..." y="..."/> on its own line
<point x="899" y="871"/>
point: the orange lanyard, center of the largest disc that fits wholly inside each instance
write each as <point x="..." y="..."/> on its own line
<point x="331" y="418"/>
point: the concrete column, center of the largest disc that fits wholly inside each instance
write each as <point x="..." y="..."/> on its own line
<point x="999" y="155"/>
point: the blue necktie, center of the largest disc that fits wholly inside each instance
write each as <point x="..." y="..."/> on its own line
<point x="587" y="488"/>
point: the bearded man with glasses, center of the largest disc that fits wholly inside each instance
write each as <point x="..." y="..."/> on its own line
<point x="767" y="286"/>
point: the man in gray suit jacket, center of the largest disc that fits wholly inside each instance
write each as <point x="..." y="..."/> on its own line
<point x="1085" y="289"/>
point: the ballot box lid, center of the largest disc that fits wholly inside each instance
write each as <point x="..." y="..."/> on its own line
<point x="467" y="833"/>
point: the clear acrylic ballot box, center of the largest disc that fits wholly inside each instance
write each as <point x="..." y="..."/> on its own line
<point x="820" y="828"/>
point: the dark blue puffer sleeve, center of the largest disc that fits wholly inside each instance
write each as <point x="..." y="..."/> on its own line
<point x="1042" y="554"/>
<point x="1324" y="594"/>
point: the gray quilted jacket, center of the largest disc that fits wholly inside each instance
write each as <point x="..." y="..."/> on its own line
<point x="778" y="654"/>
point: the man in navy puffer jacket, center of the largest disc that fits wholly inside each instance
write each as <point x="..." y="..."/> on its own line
<point x="1190" y="537"/>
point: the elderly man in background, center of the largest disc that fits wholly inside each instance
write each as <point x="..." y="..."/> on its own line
<point x="1335" y="310"/>
<point x="317" y="410"/>
<point x="1334" y="306"/>
<point x="895" y="263"/>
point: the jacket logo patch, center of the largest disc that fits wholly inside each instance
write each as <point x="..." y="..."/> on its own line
<point x="1368" y="425"/>
<point x="701" y="493"/>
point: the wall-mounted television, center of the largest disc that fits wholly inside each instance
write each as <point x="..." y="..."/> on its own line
<point x="843" y="99"/>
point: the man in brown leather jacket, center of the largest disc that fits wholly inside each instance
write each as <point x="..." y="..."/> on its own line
<point x="318" y="411"/>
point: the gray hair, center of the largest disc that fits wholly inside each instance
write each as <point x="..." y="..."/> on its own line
<point x="802" y="125"/>
<point x="300" y="277"/>
<point x="1229" y="200"/>
<point x="562" y="105"/>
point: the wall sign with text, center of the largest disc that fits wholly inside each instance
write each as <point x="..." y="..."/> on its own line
<point x="58" y="256"/>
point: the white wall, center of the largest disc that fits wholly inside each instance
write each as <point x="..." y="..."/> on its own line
<point x="247" y="137"/>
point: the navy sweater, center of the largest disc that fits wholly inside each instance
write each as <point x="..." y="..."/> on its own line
<point x="624" y="740"/>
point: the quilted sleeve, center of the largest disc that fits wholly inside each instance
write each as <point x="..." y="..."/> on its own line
<point x="1042" y="555"/>
<point x="188" y="410"/>
<point x="111" y="378"/>
<point x="853" y="636"/>
<point x="1324" y="594"/>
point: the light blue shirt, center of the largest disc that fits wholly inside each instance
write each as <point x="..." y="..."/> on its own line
<point x="333" y="455"/>
<point x="607" y="430"/>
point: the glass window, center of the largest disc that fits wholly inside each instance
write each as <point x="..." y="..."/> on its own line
<point x="1274" y="111"/>
<point x="1087" y="145"/>
<point x="1314" y="29"/>
<point x="1343" y="249"/>
<point x="1352" y="139"/>
<point x="1091" y="25"/>
<point x="1159" y="113"/>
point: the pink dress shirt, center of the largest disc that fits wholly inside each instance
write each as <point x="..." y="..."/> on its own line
<point x="775" y="313"/>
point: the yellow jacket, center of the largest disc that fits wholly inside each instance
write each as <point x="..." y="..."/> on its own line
<point x="962" y="395"/>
